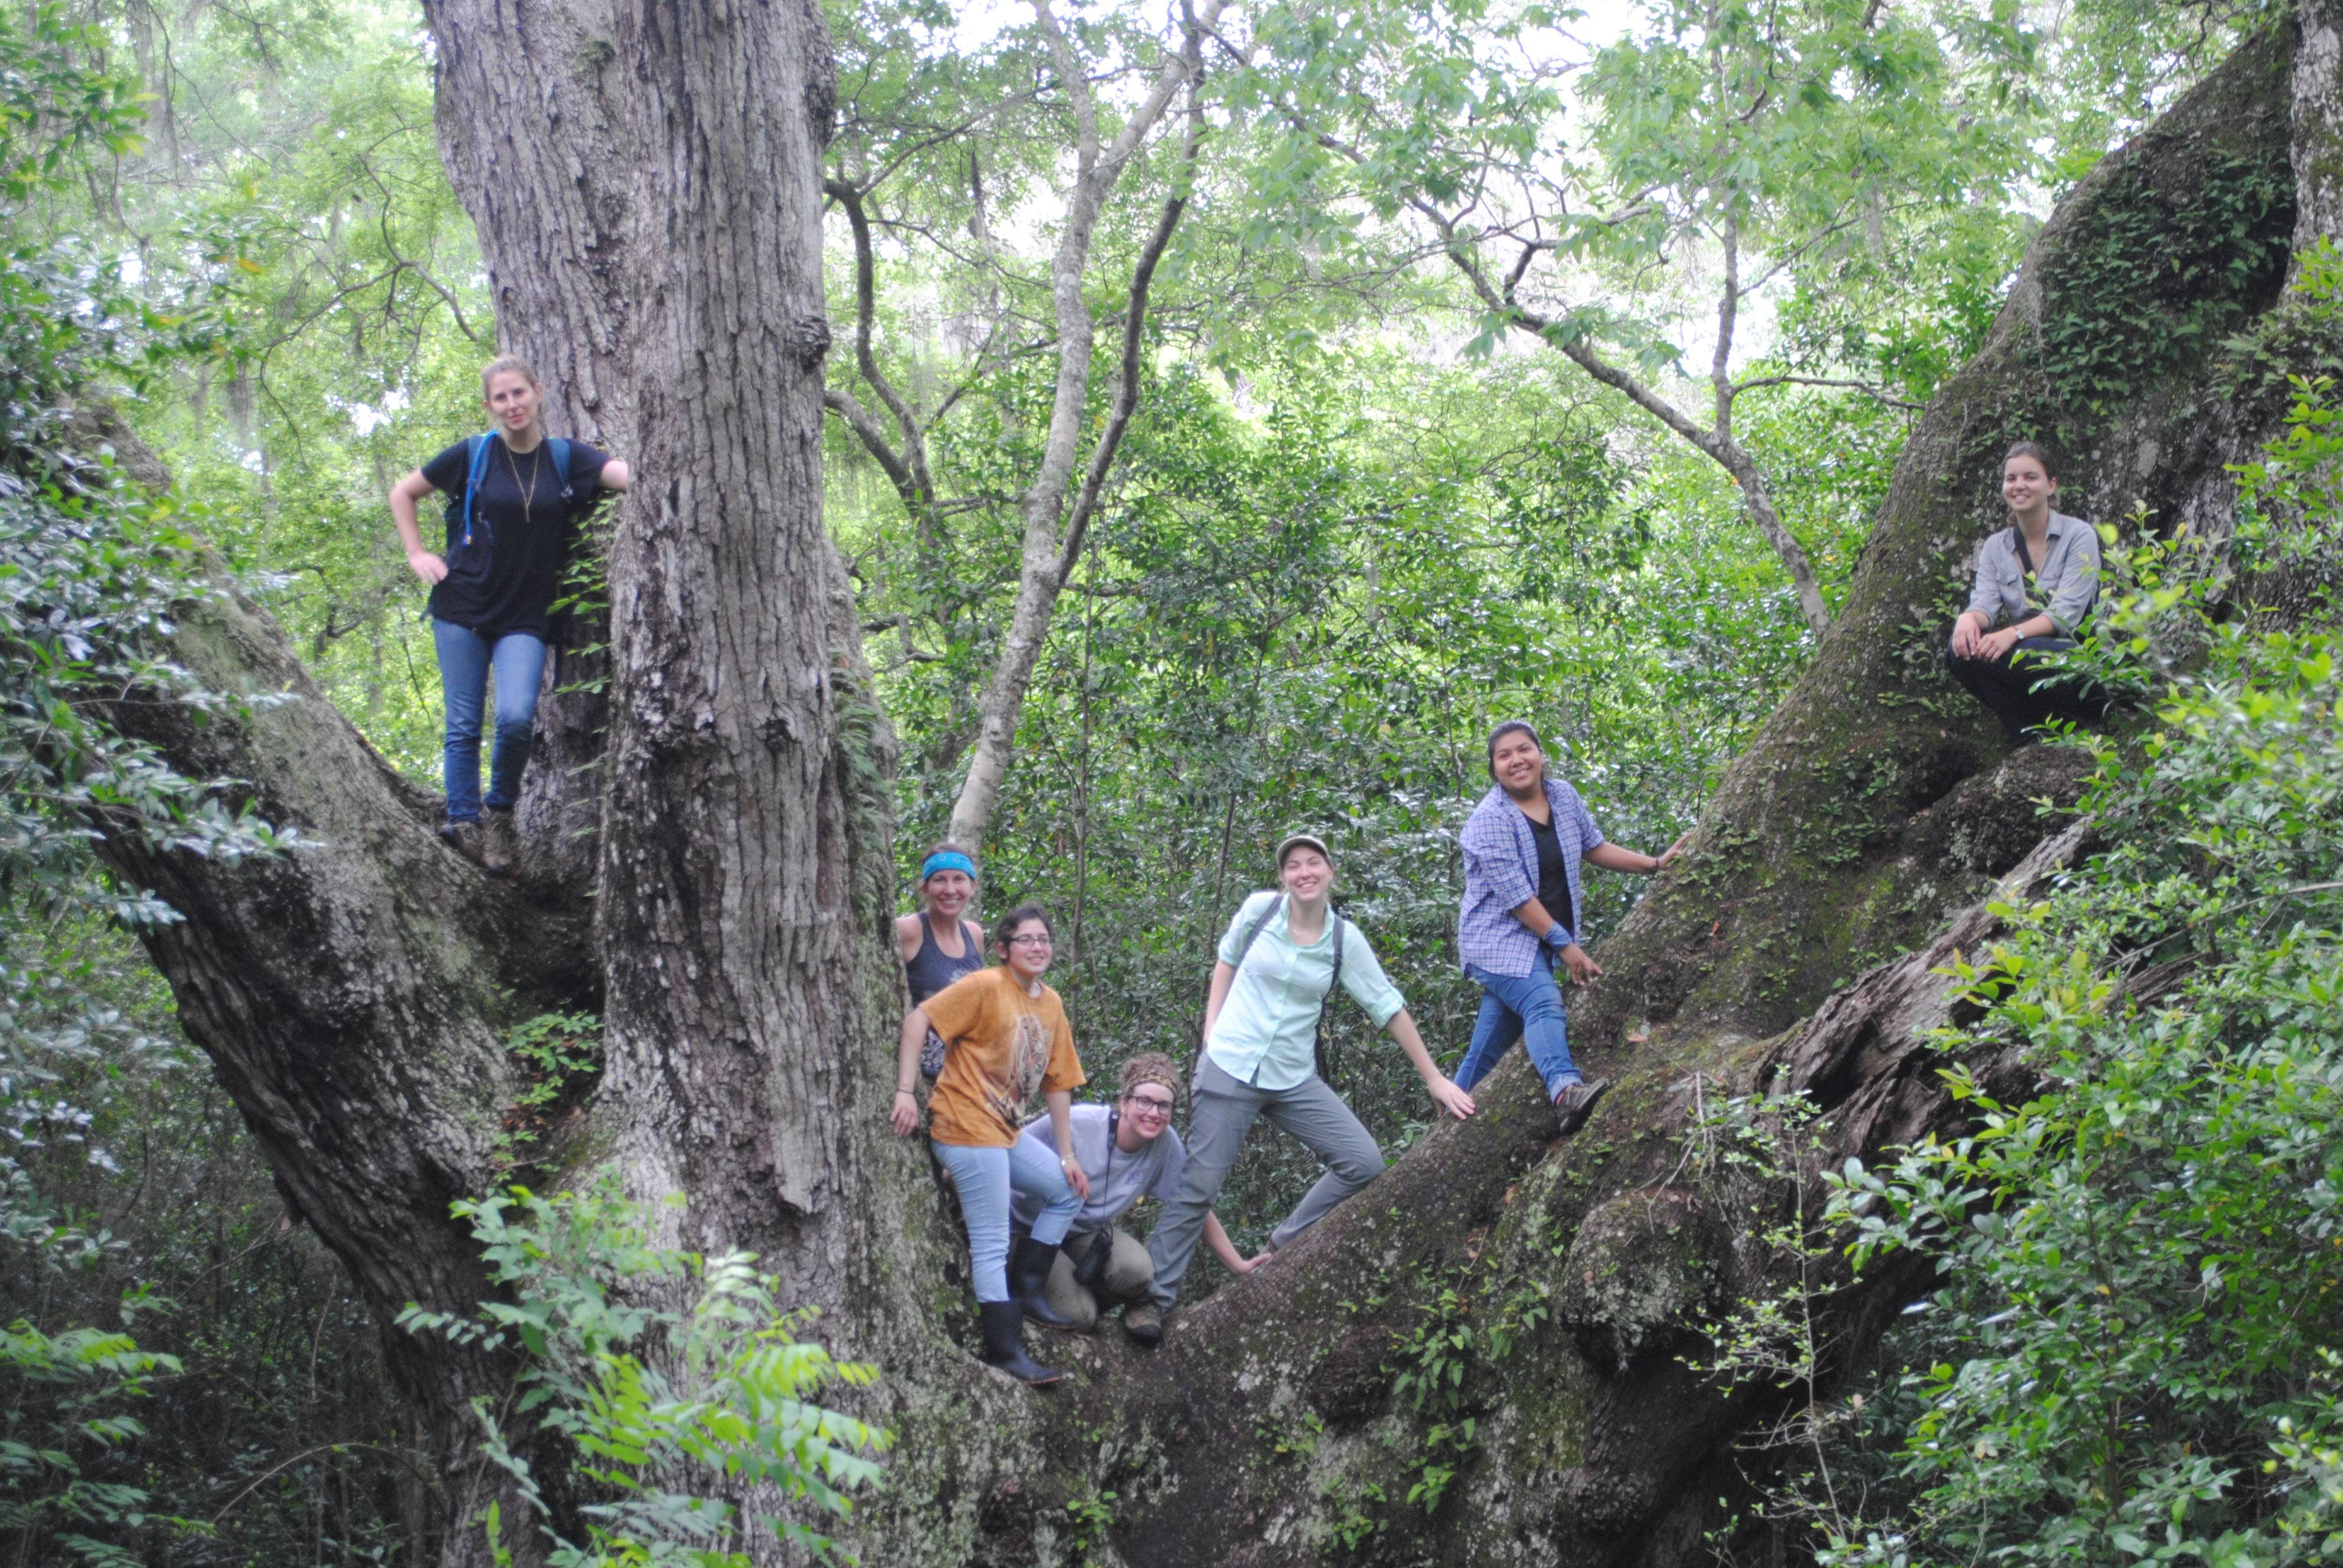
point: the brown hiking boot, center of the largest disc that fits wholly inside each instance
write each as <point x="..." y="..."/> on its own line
<point x="1143" y="1321"/>
<point x="1576" y="1100"/>
<point x="500" y="845"/>
<point x="464" y="838"/>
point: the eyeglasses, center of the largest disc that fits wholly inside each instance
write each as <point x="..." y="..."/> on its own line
<point x="1032" y="940"/>
<point x="1149" y="1103"/>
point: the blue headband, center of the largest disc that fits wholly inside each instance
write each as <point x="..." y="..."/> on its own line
<point x="946" y="860"/>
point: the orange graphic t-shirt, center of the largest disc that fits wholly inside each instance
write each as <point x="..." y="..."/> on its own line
<point x="1000" y="1047"/>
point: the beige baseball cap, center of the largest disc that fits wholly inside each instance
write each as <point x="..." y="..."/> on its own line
<point x="1293" y="841"/>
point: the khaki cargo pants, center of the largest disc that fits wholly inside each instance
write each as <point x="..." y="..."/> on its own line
<point x="1127" y="1270"/>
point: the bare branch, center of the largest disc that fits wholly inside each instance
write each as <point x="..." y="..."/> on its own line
<point x="840" y="402"/>
<point x="914" y="457"/>
<point x="1134" y="322"/>
<point x="1865" y="388"/>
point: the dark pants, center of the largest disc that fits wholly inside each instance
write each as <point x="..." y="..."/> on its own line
<point x="2022" y="695"/>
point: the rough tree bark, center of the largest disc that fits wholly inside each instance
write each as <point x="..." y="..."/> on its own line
<point x="354" y="996"/>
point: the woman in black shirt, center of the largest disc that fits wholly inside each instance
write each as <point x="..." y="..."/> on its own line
<point x="514" y="497"/>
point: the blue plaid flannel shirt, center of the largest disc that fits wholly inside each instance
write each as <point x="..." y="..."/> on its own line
<point x="1501" y="874"/>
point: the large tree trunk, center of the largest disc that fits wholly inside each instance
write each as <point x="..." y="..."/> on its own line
<point x="354" y="995"/>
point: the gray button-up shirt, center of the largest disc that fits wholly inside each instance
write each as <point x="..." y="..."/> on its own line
<point x="2065" y="578"/>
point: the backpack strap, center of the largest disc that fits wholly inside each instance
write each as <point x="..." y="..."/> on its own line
<point x="1318" y="1034"/>
<point x="2025" y="556"/>
<point x="474" y="470"/>
<point x="1253" y="932"/>
<point x="559" y="450"/>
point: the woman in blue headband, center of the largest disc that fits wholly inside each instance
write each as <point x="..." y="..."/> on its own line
<point x="940" y="944"/>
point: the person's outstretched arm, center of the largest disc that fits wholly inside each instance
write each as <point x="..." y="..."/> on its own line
<point x="1444" y="1094"/>
<point x="1225" y="1250"/>
<point x="1614" y="858"/>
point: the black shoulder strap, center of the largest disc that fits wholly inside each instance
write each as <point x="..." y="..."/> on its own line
<point x="2025" y="556"/>
<point x="1253" y="932"/>
<point x="1333" y="978"/>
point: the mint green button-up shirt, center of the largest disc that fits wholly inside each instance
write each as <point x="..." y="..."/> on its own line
<point x="1266" y="1033"/>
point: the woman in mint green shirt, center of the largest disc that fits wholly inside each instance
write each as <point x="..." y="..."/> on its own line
<point x="1277" y="970"/>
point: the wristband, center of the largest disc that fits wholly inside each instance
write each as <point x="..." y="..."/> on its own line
<point x="907" y="1092"/>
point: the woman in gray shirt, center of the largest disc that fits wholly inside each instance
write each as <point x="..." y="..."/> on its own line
<point x="2036" y="581"/>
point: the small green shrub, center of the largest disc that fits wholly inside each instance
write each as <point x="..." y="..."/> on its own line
<point x="659" y="1404"/>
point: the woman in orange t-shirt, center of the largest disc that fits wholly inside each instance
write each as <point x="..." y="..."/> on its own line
<point x="1005" y="1035"/>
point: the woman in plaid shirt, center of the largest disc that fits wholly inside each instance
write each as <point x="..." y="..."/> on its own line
<point x="1521" y="848"/>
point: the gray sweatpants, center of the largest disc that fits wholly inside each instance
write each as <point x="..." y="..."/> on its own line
<point x="1225" y="1110"/>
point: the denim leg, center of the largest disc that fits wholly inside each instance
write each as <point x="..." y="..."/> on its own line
<point x="1314" y="1113"/>
<point x="1544" y="1030"/>
<point x="1494" y="1034"/>
<point x="981" y="1176"/>
<point x="520" y="666"/>
<point x="1224" y="1109"/>
<point x="463" y="688"/>
<point x="1038" y="1174"/>
<point x="1534" y="999"/>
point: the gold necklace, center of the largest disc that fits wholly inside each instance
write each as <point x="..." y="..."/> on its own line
<point x="536" y="461"/>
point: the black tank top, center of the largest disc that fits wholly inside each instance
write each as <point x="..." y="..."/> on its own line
<point x="931" y="969"/>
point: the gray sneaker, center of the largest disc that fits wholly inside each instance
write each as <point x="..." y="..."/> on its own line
<point x="464" y="838"/>
<point x="1143" y="1321"/>
<point x="1576" y="1100"/>
<point x="500" y="845"/>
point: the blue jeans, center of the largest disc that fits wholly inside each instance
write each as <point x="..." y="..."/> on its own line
<point x="984" y="1177"/>
<point x="464" y="659"/>
<point x="1527" y="1007"/>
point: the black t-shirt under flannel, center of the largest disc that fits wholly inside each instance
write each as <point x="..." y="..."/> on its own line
<point x="1553" y="873"/>
<point x="505" y="579"/>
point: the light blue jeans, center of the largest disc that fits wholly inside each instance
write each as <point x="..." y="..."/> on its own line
<point x="1527" y="1007"/>
<point x="984" y="1177"/>
<point x="464" y="659"/>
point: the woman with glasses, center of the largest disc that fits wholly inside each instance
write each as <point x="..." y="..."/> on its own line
<point x="1128" y="1151"/>
<point x="1005" y="1036"/>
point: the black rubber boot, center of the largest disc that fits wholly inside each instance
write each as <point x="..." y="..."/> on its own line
<point x="1004" y="1344"/>
<point x="1029" y="1281"/>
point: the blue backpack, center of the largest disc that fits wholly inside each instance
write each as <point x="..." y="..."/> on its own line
<point x="459" y="507"/>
